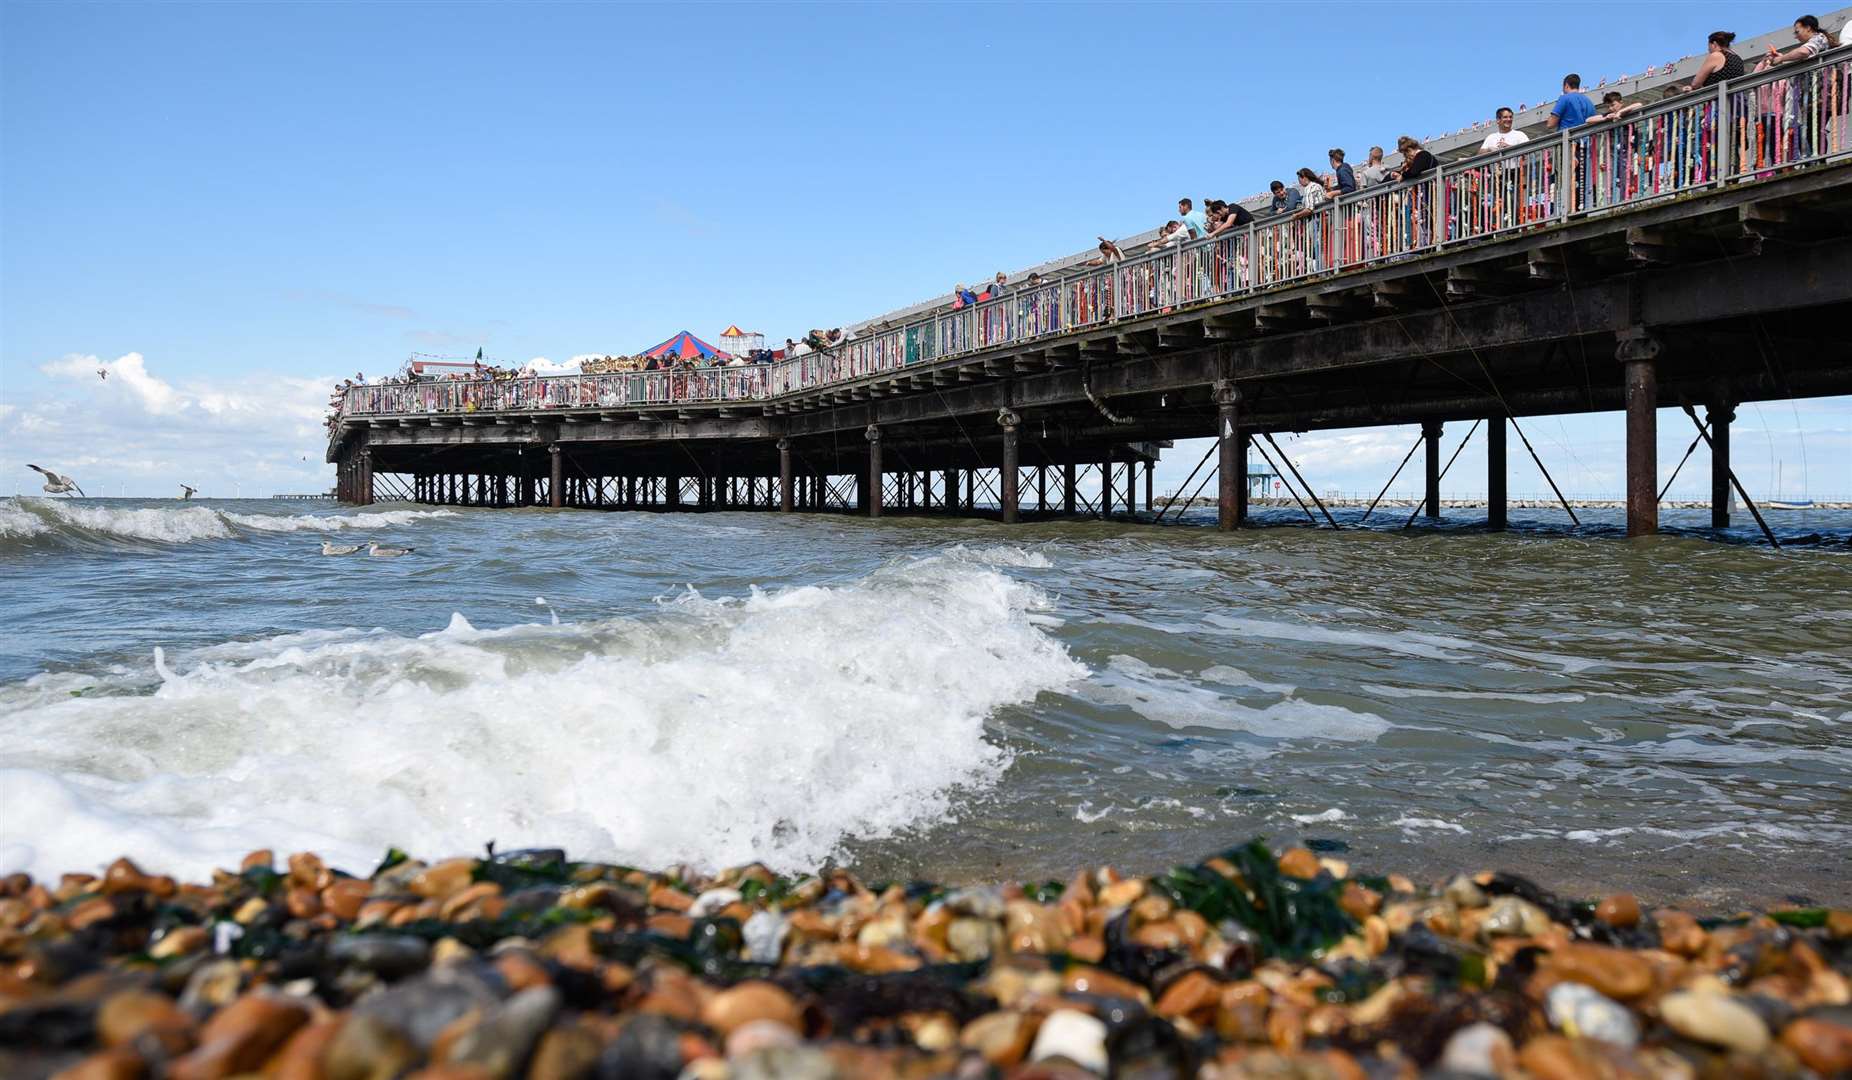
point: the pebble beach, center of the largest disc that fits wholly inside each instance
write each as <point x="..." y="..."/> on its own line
<point x="1246" y="964"/>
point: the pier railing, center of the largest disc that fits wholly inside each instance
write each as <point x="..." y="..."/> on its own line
<point x="1733" y="132"/>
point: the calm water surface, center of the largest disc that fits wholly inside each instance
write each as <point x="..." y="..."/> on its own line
<point x="937" y="698"/>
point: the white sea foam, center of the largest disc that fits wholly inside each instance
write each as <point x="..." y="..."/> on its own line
<point x="1410" y="824"/>
<point x="373" y="519"/>
<point x="774" y="726"/>
<point x="1001" y="555"/>
<point x="1534" y="697"/>
<point x="23" y="518"/>
<point x="1333" y="814"/>
<point x="18" y="523"/>
<point x="177" y="525"/>
<point x="1171" y="699"/>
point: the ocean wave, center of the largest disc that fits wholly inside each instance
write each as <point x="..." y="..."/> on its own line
<point x="777" y="725"/>
<point x="32" y="522"/>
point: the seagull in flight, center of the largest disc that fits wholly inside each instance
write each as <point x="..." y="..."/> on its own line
<point x="57" y="483"/>
<point x="187" y="492"/>
<point x="329" y="547"/>
<point x="381" y="551"/>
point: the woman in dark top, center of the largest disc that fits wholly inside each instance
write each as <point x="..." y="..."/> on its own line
<point x="1416" y="162"/>
<point x="1719" y="63"/>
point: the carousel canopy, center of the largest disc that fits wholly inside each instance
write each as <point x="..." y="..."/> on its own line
<point x="684" y="346"/>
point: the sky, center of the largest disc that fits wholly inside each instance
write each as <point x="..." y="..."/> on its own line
<point x="228" y="206"/>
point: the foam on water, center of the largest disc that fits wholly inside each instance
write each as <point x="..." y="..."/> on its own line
<point x="1176" y="701"/>
<point x="32" y="519"/>
<point x="772" y="726"/>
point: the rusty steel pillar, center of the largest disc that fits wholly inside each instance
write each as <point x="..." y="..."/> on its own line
<point x="1495" y="473"/>
<point x="364" y="474"/>
<point x="1430" y="434"/>
<point x="556" y="476"/>
<point x="1069" y="480"/>
<point x="1009" y="421"/>
<point x="1721" y="414"/>
<point x="1150" y="473"/>
<point x="1230" y="462"/>
<point x="1637" y="352"/>
<point x="787" y="499"/>
<point x="873" y="435"/>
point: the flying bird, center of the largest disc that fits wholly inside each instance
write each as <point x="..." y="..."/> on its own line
<point x="381" y="551"/>
<point x="331" y="548"/>
<point x="187" y="492"/>
<point x="102" y="373"/>
<point x="57" y="483"/>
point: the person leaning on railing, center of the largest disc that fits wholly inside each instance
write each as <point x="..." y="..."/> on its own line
<point x="1373" y="171"/>
<point x="1507" y="135"/>
<point x="1813" y="42"/>
<point x="1613" y="108"/>
<point x="1572" y="108"/>
<point x="1719" y="63"/>
<point x="1343" y="178"/>
<point x="1416" y="161"/>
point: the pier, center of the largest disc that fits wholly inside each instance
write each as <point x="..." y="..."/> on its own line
<point x="1675" y="265"/>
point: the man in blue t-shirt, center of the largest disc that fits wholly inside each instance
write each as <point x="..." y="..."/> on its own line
<point x="1573" y="107"/>
<point x="1193" y="219"/>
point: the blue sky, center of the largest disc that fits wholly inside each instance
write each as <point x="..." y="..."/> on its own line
<point x="252" y="199"/>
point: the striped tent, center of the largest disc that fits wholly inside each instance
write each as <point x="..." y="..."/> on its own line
<point x="684" y="346"/>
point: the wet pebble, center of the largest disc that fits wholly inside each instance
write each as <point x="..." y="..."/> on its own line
<point x="1714" y="1019"/>
<point x="1582" y="1011"/>
<point x="1073" y="1036"/>
<point x="1479" y="1050"/>
<point x="389" y="956"/>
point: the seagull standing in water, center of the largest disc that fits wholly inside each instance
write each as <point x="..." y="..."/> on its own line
<point x="57" y="483"/>
<point x="329" y="547"/>
<point x="381" y="551"/>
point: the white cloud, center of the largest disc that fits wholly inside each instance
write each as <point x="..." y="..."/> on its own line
<point x="129" y="374"/>
<point x="540" y="365"/>
<point x="137" y="432"/>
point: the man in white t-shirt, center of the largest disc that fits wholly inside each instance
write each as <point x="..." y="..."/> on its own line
<point x="1506" y="136"/>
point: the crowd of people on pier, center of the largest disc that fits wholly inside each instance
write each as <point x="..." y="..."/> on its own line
<point x="1305" y="196"/>
<point x="1311" y="189"/>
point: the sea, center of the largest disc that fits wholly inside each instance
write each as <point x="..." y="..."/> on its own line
<point x="931" y="698"/>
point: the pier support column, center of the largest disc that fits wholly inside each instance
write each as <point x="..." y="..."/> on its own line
<point x="556" y="477"/>
<point x="1041" y="488"/>
<point x="1069" y="479"/>
<point x="873" y="435"/>
<point x="1008" y="420"/>
<point x="365" y="497"/>
<point x="1150" y="475"/>
<point x="787" y="499"/>
<point x="1430" y="434"/>
<point x="1230" y="462"/>
<point x="1721" y="414"/>
<point x="1637" y="352"/>
<point x="1495" y="473"/>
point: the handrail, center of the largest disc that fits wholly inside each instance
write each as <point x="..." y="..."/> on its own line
<point x="1791" y="115"/>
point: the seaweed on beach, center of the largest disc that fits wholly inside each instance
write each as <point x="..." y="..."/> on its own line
<point x="1291" y="917"/>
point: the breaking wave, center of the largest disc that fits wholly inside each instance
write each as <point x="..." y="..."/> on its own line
<point x="49" y="523"/>
<point x="777" y="725"/>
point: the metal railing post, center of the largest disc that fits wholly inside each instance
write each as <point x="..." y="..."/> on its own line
<point x="1722" y="133"/>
